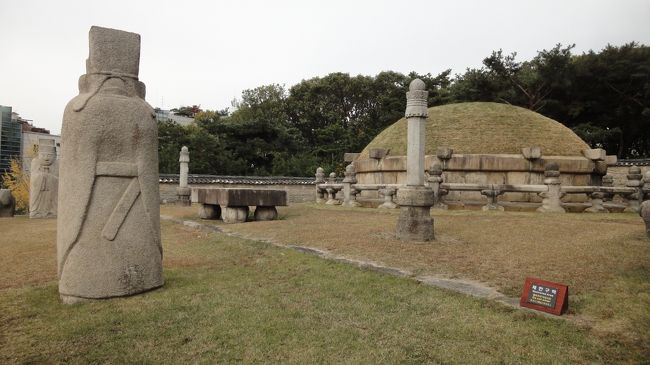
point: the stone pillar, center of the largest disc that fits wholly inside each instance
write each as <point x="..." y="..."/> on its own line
<point x="108" y="226"/>
<point x="44" y="181"/>
<point x="415" y="200"/>
<point x="388" y="194"/>
<point x="492" y="203"/>
<point x="7" y="204"/>
<point x="183" y="190"/>
<point x="597" y="199"/>
<point x="331" y="191"/>
<point x="349" y="193"/>
<point x="551" y="202"/>
<point x="320" y="179"/>
<point x="435" y="180"/>
<point x="634" y="180"/>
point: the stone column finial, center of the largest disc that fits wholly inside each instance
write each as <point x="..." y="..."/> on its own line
<point x="551" y="202"/>
<point x="415" y="200"/>
<point x="183" y="190"/>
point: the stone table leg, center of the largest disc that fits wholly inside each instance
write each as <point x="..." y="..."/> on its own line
<point x="209" y="211"/>
<point x="263" y="213"/>
<point x="235" y="214"/>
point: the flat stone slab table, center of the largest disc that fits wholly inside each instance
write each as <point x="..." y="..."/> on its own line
<point x="231" y="204"/>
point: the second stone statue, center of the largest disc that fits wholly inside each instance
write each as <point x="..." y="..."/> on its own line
<point x="108" y="238"/>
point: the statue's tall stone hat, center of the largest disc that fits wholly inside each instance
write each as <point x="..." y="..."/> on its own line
<point x="46" y="146"/>
<point x="113" y="51"/>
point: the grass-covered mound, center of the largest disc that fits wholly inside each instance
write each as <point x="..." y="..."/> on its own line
<point x="484" y="128"/>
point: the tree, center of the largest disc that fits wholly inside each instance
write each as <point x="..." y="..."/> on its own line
<point x="17" y="180"/>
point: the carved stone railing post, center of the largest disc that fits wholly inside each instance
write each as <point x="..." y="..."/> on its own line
<point x="388" y="194"/>
<point x="634" y="180"/>
<point x="597" y="199"/>
<point x="320" y="179"/>
<point x="350" y="193"/>
<point x="415" y="200"/>
<point x="492" y="203"/>
<point x="183" y="191"/>
<point x="551" y="202"/>
<point x="435" y="180"/>
<point x="331" y="191"/>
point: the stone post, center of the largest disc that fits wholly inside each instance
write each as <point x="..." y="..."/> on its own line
<point x="634" y="181"/>
<point x="597" y="199"/>
<point x="349" y="193"/>
<point x="183" y="191"/>
<point x="331" y="190"/>
<point x="388" y="194"/>
<point x="492" y="203"/>
<point x="320" y="179"/>
<point x="551" y="198"/>
<point x="435" y="180"/>
<point x="415" y="200"/>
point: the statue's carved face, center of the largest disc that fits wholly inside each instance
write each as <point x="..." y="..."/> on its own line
<point x="47" y="158"/>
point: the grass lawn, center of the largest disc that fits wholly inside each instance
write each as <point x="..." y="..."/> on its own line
<point x="229" y="299"/>
<point x="604" y="258"/>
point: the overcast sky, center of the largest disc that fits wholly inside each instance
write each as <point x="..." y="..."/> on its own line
<point x="207" y="52"/>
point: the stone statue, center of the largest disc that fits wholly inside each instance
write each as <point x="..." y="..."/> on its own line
<point x="44" y="181"/>
<point x="108" y="236"/>
<point x="7" y="204"/>
<point x="644" y="212"/>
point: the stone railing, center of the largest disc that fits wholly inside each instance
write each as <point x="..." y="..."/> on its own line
<point x="637" y="190"/>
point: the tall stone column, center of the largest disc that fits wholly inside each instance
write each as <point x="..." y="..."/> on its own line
<point x="415" y="200"/>
<point x="183" y="190"/>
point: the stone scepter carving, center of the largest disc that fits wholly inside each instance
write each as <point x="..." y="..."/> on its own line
<point x="44" y="181"/>
<point x="415" y="200"/>
<point x="183" y="191"/>
<point x="108" y="234"/>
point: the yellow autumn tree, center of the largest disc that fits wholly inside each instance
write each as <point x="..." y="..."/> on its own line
<point x="17" y="180"/>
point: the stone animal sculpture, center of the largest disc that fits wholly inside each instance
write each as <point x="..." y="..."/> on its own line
<point x="7" y="204"/>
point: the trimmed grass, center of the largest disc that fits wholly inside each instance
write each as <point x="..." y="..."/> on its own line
<point x="481" y="127"/>
<point x="232" y="300"/>
<point x="604" y="258"/>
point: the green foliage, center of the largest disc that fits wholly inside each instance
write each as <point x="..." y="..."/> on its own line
<point x="604" y="97"/>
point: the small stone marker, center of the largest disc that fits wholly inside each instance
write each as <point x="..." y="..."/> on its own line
<point x="545" y="296"/>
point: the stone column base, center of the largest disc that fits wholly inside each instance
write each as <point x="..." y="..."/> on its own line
<point x="265" y="213"/>
<point x="415" y="222"/>
<point x="183" y="200"/>
<point x="234" y="214"/>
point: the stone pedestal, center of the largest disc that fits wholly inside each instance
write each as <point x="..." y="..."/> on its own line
<point x="597" y="203"/>
<point x="209" y="211"/>
<point x="388" y="194"/>
<point x="235" y="214"/>
<point x="265" y="213"/>
<point x="415" y="222"/>
<point x="183" y="195"/>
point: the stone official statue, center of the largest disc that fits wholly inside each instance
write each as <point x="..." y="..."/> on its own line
<point x="108" y="237"/>
<point x="44" y="181"/>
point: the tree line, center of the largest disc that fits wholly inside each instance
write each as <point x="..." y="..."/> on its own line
<point x="271" y="130"/>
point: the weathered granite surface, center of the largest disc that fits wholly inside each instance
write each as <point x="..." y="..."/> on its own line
<point x="7" y="204"/>
<point x="108" y="236"/>
<point x="644" y="212"/>
<point x="183" y="190"/>
<point x="415" y="200"/>
<point x="44" y="181"/>
<point x="240" y="197"/>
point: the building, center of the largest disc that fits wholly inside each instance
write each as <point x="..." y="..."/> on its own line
<point x="10" y="137"/>
<point x="19" y="139"/>
<point x="166" y="115"/>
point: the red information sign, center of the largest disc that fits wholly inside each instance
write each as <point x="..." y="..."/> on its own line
<point x="545" y="296"/>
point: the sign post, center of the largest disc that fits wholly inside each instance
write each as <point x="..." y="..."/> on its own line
<point x="545" y="296"/>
